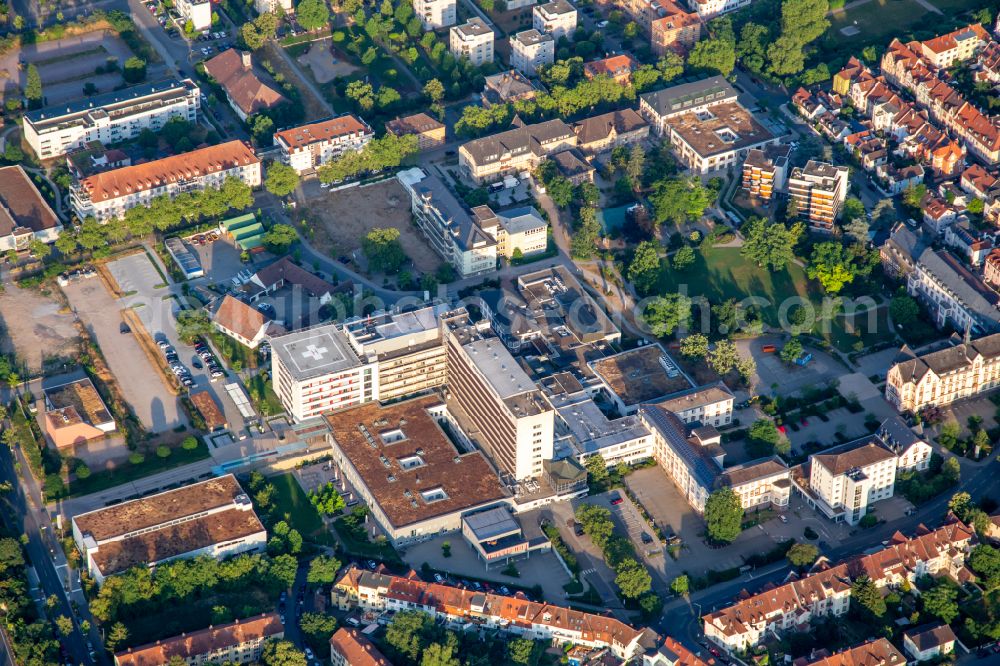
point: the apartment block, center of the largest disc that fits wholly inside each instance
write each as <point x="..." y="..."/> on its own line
<point x="939" y="378"/>
<point x="198" y="12"/>
<point x="111" y="193"/>
<point x="473" y="41"/>
<point x="819" y="190"/>
<point x="826" y="590"/>
<point x="556" y="18"/>
<point x="765" y="172"/>
<point x="315" y="370"/>
<point x="408" y="347"/>
<point x="709" y="9"/>
<point x="238" y="642"/>
<point x="530" y="50"/>
<point x="875" y="651"/>
<point x="677" y="32"/>
<point x="111" y="117"/>
<point x="708" y="129"/>
<point x="307" y="147"/>
<point x="349" y="647"/>
<point x="952" y="293"/>
<point x="436" y="14"/>
<point x="407" y="470"/>
<point x="513" y="422"/>
<point x="521" y="149"/>
<point x="269" y="6"/>
<point x="514" y="615"/>
<point x="213" y="517"/>
<point x="610" y="130"/>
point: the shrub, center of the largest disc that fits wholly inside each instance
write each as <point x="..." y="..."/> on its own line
<point x="82" y="471"/>
<point x="162" y="451"/>
<point x="190" y="443"/>
<point x="136" y="458"/>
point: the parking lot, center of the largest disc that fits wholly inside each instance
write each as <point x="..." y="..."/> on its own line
<point x="153" y="404"/>
<point x="219" y="259"/>
<point x="775" y="377"/>
<point x="157" y="307"/>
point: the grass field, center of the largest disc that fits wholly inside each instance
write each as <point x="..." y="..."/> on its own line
<point x="292" y="504"/>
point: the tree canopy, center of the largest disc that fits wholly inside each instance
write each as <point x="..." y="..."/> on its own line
<point x="770" y="245"/>
<point x="383" y="250"/>
<point x="723" y="515"/>
<point x="281" y="179"/>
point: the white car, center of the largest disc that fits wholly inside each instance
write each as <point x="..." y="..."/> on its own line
<point x="602" y="24"/>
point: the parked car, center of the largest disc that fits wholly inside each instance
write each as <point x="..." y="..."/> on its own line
<point x="617" y="499"/>
<point x="196" y="363"/>
<point x="123" y="328"/>
<point x="438" y="578"/>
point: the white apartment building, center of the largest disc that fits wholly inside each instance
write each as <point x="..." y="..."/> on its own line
<point x="307" y="147"/>
<point x="556" y="18"/>
<point x="472" y="41"/>
<point x="111" y="117"/>
<point x="436" y="14"/>
<point x="710" y="405"/>
<point x="268" y="6"/>
<point x="111" y="193"/>
<point x="819" y="190"/>
<point x="530" y="49"/>
<point x="952" y="293"/>
<point x="213" y="517"/>
<point x="513" y="422"/>
<point x="942" y="377"/>
<point x="709" y="9"/>
<point x="315" y="370"/>
<point x="490" y="158"/>
<point x="198" y="12"/>
<point x="237" y="642"/>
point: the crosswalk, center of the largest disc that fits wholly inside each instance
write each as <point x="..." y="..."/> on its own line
<point x="587" y="572"/>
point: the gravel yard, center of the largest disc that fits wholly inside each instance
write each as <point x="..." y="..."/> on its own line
<point x="36" y="327"/>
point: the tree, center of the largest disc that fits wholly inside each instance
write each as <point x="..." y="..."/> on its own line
<point x="519" y="650"/>
<point x="664" y="314"/>
<point x="941" y="601"/>
<point x="644" y="269"/>
<point x="134" y="70"/>
<point x="948" y="436"/>
<point x="951" y="470"/>
<point x="323" y="570"/>
<point x="913" y="195"/>
<point x="279" y="238"/>
<point x="831" y="266"/>
<point x="724" y="357"/>
<point x="560" y="190"/>
<point x="192" y="324"/>
<point x="362" y="93"/>
<point x="11" y="556"/>
<point x="39" y="249"/>
<point x="404" y="633"/>
<point x="317" y="629"/>
<point x="984" y="560"/>
<point x="723" y="515"/>
<point x="117" y="635"/>
<point x="282" y="653"/>
<point x="904" y="310"/>
<point x="694" y="346"/>
<point x="868" y="596"/>
<point x="384" y="251"/>
<point x="312" y="14"/>
<point x="713" y="55"/>
<point x="771" y="245"/>
<point x="586" y="235"/>
<point x="281" y="179"/>
<point x="597" y="468"/>
<point x="680" y="585"/>
<point x="64" y="625"/>
<point x="439" y="654"/>
<point x="792" y="350"/>
<point x="434" y="91"/>
<point x="632" y="579"/>
<point x="12" y="152"/>
<point x="679" y="200"/>
<point x="684" y="258"/>
<point x="805" y="19"/>
<point x="802" y="554"/>
<point x="33" y="87"/>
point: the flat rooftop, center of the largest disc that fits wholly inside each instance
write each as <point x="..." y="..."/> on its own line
<point x="721" y="129"/>
<point x="313" y="352"/>
<point x="500" y="368"/>
<point x="83" y="398"/>
<point x="492" y="524"/>
<point x="149" y="512"/>
<point x="410" y="466"/>
<point x="639" y="375"/>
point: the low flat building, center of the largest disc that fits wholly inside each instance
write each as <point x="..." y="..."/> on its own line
<point x="497" y="536"/>
<point x="213" y="517"/>
<point x="350" y="647"/>
<point x="643" y="374"/>
<point x="76" y="414"/>
<point x="473" y="41"/>
<point x="209" y="409"/>
<point x="530" y="50"/>
<point x="307" y="147"/>
<point x="929" y="641"/>
<point x="111" y="117"/>
<point x="240" y="321"/>
<point x="315" y="370"/>
<point x="245" y="92"/>
<point x="556" y="18"/>
<point x="819" y="190"/>
<point x="407" y="470"/>
<point x="25" y="215"/>
<point x="939" y="378"/>
<point x="610" y="130"/>
<point x="238" y="642"/>
<point x="429" y="132"/>
<point x="112" y="193"/>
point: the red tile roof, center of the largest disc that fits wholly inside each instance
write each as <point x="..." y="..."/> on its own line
<point x="236" y="316"/>
<point x="247" y="91"/>
<point x="203" y="642"/>
<point x="326" y="130"/>
<point x="356" y="649"/>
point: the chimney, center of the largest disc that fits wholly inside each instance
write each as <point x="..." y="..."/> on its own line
<point x="245" y="59"/>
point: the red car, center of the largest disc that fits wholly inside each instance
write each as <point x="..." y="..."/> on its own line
<point x="616" y="500"/>
<point x="782" y="429"/>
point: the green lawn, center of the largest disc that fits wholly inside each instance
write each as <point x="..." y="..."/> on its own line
<point x="844" y="332"/>
<point x="292" y="504"/>
<point x="881" y="20"/>
<point x="153" y="464"/>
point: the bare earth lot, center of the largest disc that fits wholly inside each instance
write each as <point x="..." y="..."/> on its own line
<point x="35" y="329"/>
<point x="344" y="217"/>
<point x="322" y="64"/>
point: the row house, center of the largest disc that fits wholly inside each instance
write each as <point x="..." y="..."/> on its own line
<point x="955" y="47"/>
<point x="988" y="63"/>
<point x="973" y="244"/>
<point x="459" y="607"/>
<point x="869" y="149"/>
<point x="825" y="590"/>
<point x="814" y="104"/>
<point x="979" y="182"/>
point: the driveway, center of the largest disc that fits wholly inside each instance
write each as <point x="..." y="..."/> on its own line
<point x="153" y="404"/>
<point x="775" y="377"/>
<point x="157" y="306"/>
